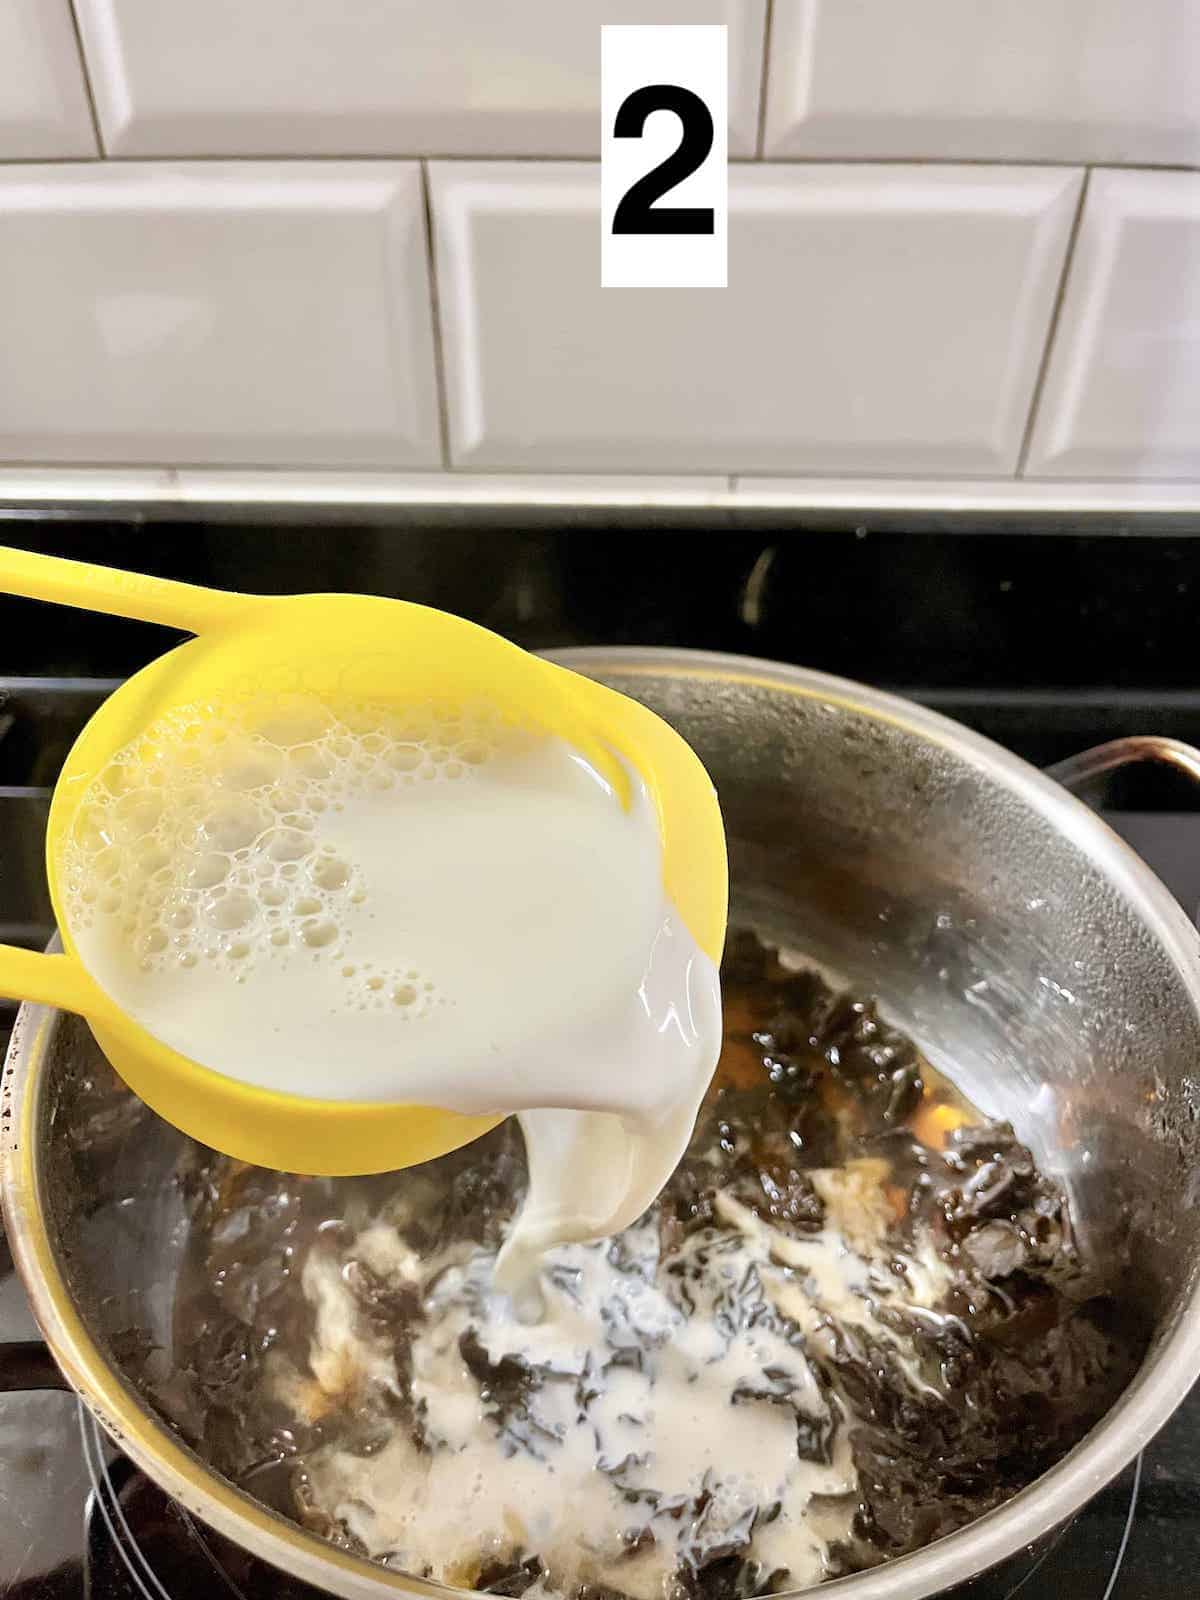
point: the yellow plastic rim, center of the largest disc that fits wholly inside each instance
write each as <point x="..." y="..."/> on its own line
<point x="337" y="1137"/>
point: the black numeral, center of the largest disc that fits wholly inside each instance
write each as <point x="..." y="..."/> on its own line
<point x="635" y="213"/>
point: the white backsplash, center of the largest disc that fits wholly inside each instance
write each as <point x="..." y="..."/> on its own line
<point x="954" y="252"/>
<point x="1099" y="81"/>
<point x="233" y="312"/>
<point x="377" y="77"/>
<point x="877" y="319"/>
<point x="1122" y="392"/>
<point x="44" y="112"/>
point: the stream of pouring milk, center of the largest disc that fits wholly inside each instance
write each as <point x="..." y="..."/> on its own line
<point x="429" y="909"/>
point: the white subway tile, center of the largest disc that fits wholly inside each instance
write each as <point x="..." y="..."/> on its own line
<point x="1058" y="80"/>
<point x="347" y="77"/>
<point x="877" y="319"/>
<point x="44" y="112"/>
<point x="244" y="313"/>
<point x="1122" y="391"/>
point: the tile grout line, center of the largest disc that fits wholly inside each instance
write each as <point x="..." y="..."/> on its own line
<point x="760" y="139"/>
<point x="435" y="312"/>
<point x="746" y="478"/>
<point x="1035" y="399"/>
<point x="484" y="158"/>
<point x="101" y="151"/>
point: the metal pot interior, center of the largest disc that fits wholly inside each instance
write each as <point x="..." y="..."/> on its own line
<point x="1003" y="926"/>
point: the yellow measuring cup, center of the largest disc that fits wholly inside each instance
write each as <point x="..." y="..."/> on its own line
<point x="332" y="646"/>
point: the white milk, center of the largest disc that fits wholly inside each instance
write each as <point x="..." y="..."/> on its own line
<point x="557" y="1479"/>
<point x="432" y="909"/>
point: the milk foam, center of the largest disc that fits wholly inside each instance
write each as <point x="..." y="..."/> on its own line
<point x="350" y="902"/>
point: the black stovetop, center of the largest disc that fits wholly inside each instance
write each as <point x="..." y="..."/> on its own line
<point x="1047" y="639"/>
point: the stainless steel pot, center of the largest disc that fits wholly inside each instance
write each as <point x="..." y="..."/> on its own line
<point x="1001" y="921"/>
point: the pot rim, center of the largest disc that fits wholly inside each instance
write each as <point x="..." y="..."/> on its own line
<point x="1160" y="1385"/>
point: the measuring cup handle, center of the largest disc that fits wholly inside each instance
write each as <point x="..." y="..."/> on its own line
<point x="50" y="980"/>
<point x="120" y="594"/>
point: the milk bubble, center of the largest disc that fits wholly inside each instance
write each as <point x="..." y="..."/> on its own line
<point x="209" y="825"/>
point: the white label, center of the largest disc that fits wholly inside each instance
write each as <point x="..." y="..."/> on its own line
<point x="664" y="177"/>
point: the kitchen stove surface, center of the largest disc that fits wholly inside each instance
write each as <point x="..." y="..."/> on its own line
<point x="77" y="1521"/>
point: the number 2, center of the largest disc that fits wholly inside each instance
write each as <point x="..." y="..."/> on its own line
<point x="635" y="212"/>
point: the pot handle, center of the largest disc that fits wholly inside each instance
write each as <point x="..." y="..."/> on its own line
<point x="25" y="1365"/>
<point x="1077" y="771"/>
